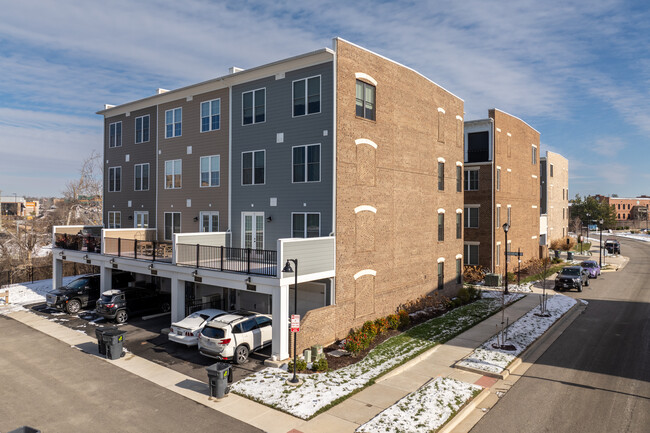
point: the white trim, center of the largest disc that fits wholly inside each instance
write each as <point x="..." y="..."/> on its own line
<point x="210" y="214"/>
<point x="459" y="211"/>
<point x="498" y="167"/>
<point x="459" y="164"/>
<point x="499" y="243"/>
<point x="365" y="141"/>
<point x="364" y="76"/>
<point x="534" y="176"/>
<point x="441" y="110"/>
<point x="306" y="163"/>
<point x="242" y="108"/>
<point x="459" y="118"/>
<point x="441" y="210"/>
<point x="498" y="205"/>
<point x="365" y="272"/>
<point x="210" y="171"/>
<point x="498" y="129"/>
<point x="173" y="173"/>
<point x="108" y="188"/>
<point x="441" y="259"/>
<point x="365" y="207"/>
<point x="180" y="224"/>
<point x="534" y="145"/>
<point x="320" y="99"/>
<point x="509" y="205"/>
<point x="508" y="134"/>
<point x="509" y="170"/>
<point x="253" y="215"/>
<point x="441" y="159"/>
<point x="533" y="237"/>
<point x="459" y="256"/>
<point x="473" y="205"/>
<point x="141" y="177"/>
<point x="496" y="109"/>
<point x="135" y="129"/>
<point x="534" y="206"/>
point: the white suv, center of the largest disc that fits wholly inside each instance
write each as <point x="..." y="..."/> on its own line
<point x="235" y="335"/>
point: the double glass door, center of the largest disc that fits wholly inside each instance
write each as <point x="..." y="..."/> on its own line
<point x="253" y="230"/>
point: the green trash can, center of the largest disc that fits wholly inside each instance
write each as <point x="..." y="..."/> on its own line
<point x="113" y="338"/>
<point x="219" y="376"/>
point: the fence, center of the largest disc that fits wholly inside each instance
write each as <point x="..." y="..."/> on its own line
<point x="243" y="260"/>
<point x="29" y="274"/>
<point x="138" y="249"/>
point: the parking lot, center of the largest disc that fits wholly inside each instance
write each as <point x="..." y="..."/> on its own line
<point x="146" y="338"/>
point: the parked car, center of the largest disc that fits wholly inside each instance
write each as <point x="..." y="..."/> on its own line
<point x="233" y="336"/>
<point x="187" y="330"/>
<point x="613" y="246"/>
<point x="119" y="305"/>
<point x="82" y="292"/>
<point x="570" y="277"/>
<point x="592" y="267"/>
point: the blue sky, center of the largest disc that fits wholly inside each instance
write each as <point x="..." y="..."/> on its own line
<point x="577" y="71"/>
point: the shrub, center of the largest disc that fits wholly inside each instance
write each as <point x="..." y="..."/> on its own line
<point x="404" y="319"/>
<point x="357" y="341"/>
<point x="556" y="260"/>
<point x="320" y="365"/>
<point x="564" y="244"/>
<point x="473" y="274"/>
<point x="463" y="295"/>
<point x="456" y="302"/>
<point x="434" y="301"/>
<point x="382" y="325"/>
<point x="474" y="293"/>
<point x="301" y="365"/>
<point x="370" y="329"/>
<point x="393" y="321"/>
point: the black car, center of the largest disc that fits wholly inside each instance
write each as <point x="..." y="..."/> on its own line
<point x="613" y="246"/>
<point x="82" y="292"/>
<point x="118" y="305"/>
<point x="572" y="277"/>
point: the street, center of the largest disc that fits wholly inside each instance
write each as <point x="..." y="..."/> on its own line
<point x="52" y="387"/>
<point x="596" y="376"/>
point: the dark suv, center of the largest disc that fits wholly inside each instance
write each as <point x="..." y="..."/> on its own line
<point x="570" y="277"/>
<point x="118" y="305"/>
<point x="613" y="246"/>
<point x="82" y="292"/>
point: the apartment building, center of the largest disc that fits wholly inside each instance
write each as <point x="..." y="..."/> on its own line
<point x="630" y="211"/>
<point x="554" y="198"/>
<point x="501" y="183"/>
<point x="340" y="158"/>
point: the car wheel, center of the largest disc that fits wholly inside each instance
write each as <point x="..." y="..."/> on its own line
<point x="73" y="306"/>
<point x="165" y="307"/>
<point x="579" y="287"/>
<point x="241" y="354"/>
<point x="122" y="316"/>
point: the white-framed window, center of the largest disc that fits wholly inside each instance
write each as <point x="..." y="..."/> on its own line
<point x="365" y="100"/>
<point x="141" y="219"/>
<point x="141" y="177"/>
<point x="441" y="275"/>
<point x="306" y="96"/>
<point x="441" y="176"/>
<point x="441" y="227"/>
<point x="534" y="154"/>
<point x="306" y="163"/>
<point x="173" y="122"/>
<point x="211" y="115"/>
<point x="173" y="173"/>
<point x="114" y="179"/>
<point x="114" y="220"/>
<point x="142" y="129"/>
<point x="209" y="221"/>
<point x="115" y="134"/>
<point x="471" y="254"/>
<point x="471" y="180"/>
<point x="305" y="225"/>
<point x="498" y="179"/>
<point x="172" y="224"/>
<point x="254" y="106"/>
<point x="471" y="217"/>
<point x="210" y="170"/>
<point x="253" y="167"/>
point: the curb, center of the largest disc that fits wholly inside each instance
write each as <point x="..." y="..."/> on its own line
<point x="465" y="412"/>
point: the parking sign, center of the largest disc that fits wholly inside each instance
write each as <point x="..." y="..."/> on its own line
<point x="295" y="322"/>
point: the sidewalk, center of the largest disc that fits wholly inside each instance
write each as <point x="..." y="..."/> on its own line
<point x="346" y="416"/>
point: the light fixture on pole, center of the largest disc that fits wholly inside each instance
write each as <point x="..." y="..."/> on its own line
<point x="600" y="246"/>
<point x="287" y="268"/>
<point x="506" y="227"/>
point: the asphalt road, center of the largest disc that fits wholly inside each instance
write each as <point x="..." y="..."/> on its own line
<point x="596" y="376"/>
<point x="50" y="386"/>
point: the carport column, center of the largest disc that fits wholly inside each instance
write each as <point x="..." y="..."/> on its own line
<point x="57" y="273"/>
<point x="105" y="277"/>
<point x="178" y="299"/>
<point x="280" y="346"/>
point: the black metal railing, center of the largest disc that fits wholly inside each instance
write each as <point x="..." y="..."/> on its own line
<point x="88" y="243"/>
<point x="138" y="249"/>
<point x="243" y="260"/>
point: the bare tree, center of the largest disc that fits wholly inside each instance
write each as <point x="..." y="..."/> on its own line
<point x="83" y="195"/>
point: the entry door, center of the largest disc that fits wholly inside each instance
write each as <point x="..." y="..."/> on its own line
<point x="141" y="219"/>
<point x="253" y="230"/>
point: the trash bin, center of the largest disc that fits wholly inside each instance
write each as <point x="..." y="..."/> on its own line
<point x="101" y="344"/>
<point x="569" y="255"/>
<point x="557" y="253"/>
<point x="25" y="429"/>
<point x="113" y="338"/>
<point x="219" y="376"/>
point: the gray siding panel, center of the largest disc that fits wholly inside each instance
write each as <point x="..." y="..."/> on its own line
<point x="316" y="255"/>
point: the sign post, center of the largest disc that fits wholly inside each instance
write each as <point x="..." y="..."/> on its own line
<point x="295" y="323"/>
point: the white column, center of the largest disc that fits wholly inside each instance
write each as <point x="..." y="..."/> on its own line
<point x="105" y="277"/>
<point x="280" y="346"/>
<point x="57" y="272"/>
<point x="178" y="299"/>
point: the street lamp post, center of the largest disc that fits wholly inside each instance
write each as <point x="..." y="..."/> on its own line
<point x="600" y="246"/>
<point x="506" y="227"/>
<point x="287" y="268"/>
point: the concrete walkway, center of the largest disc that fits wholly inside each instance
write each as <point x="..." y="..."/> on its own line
<point x="345" y="417"/>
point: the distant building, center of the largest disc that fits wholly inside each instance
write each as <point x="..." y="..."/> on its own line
<point x="554" y="197"/>
<point x="629" y="210"/>
<point x="12" y="206"/>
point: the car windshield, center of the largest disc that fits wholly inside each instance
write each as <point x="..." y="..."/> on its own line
<point x="211" y="332"/>
<point x="107" y="299"/>
<point x="588" y="265"/>
<point x="570" y="271"/>
<point x="79" y="283"/>
<point x="198" y="315"/>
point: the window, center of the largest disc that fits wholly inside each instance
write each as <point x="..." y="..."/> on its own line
<point x="254" y="106"/>
<point x="115" y="134"/>
<point x="173" y="174"/>
<point x="209" y="221"/>
<point x="142" y="129"/>
<point x="498" y="179"/>
<point x="551" y="170"/>
<point x="172" y="224"/>
<point x="534" y="154"/>
<point x="365" y="100"/>
<point x="441" y="275"/>
<point x="471" y="255"/>
<point x="441" y="176"/>
<point x="459" y="178"/>
<point x="498" y="255"/>
<point x="305" y="225"/>
<point x="210" y="115"/>
<point x="210" y="170"/>
<point x="114" y="179"/>
<point x="459" y="271"/>
<point x="114" y="220"/>
<point x="306" y="163"/>
<point x="141" y="175"/>
<point x="498" y="220"/>
<point x="478" y="146"/>
<point x="471" y="180"/>
<point x="173" y="122"/>
<point x="459" y="226"/>
<point x="253" y="167"/>
<point x="441" y="227"/>
<point x="509" y="214"/>
<point x="141" y="219"/>
<point x="306" y="96"/>
<point x="471" y="217"/>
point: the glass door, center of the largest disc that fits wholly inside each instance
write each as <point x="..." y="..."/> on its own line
<point x="253" y="230"/>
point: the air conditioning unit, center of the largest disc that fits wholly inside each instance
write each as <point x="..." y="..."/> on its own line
<point x="493" y="280"/>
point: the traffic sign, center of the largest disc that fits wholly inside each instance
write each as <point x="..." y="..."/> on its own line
<point x="514" y="253"/>
<point x="295" y="322"/>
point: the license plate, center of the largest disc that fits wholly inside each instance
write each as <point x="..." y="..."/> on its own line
<point x="179" y="333"/>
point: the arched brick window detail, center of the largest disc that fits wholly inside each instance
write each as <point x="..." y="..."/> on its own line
<point x="364" y="295"/>
<point x="366" y="162"/>
<point x="364" y="228"/>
